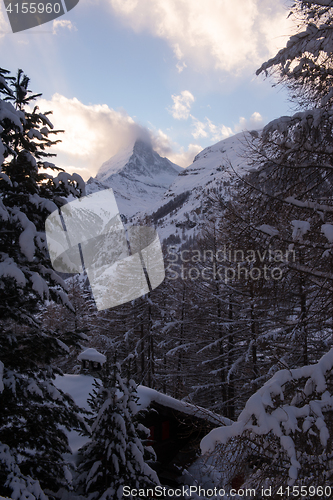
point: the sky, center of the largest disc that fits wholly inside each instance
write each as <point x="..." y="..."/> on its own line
<point x="181" y="72"/>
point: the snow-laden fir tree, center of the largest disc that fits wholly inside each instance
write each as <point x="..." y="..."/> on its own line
<point x="16" y="484"/>
<point x="32" y="411"/>
<point x="116" y="455"/>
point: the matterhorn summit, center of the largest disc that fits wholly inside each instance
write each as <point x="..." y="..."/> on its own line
<point x="138" y="176"/>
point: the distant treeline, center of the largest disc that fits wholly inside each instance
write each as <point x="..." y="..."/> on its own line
<point x="173" y="204"/>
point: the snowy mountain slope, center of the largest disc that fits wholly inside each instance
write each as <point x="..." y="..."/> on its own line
<point x="138" y="176"/>
<point x="184" y="206"/>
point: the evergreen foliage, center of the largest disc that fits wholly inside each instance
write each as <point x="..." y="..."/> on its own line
<point x="32" y="409"/>
<point x="115" y="456"/>
<point x="173" y="204"/>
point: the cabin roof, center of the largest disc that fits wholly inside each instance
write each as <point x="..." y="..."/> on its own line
<point x="147" y="396"/>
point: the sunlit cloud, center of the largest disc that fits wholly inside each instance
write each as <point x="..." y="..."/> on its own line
<point x="162" y="143"/>
<point x="178" y="53"/>
<point x="182" y="103"/>
<point x="199" y="128"/>
<point x="185" y="157"/>
<point x="93" y="133"/>
<point x="180" y="65"/>
<point x="226" y="35"/>
<point x="218" y="132"/>
<point x="164" y="146"/>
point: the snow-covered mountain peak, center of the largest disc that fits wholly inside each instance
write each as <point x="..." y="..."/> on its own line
<point x="138" y="176"/>
<point x="177" y="199"/>
<point x="138" y="162"/>
<point x="115" y="163"/>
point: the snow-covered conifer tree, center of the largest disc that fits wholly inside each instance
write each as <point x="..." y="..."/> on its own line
<point x="32" y="409"/>
<point x="115" y="456"/>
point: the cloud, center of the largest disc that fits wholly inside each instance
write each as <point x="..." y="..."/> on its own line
<point x="218" y="132"/>
<point x="185" y="157"/>
<point x="182" y="103"/>
<point x="226" y="35"/>
<point x="254" y="122"/>
<point x="180" y="66"/>
<point x="62" y="24"/>
<point x="208" y="130"/>
<point x="199" y="128"/>
<point x="164" y="146"/>
<point x="179" y="55"/>
<point x="93" y="133"/>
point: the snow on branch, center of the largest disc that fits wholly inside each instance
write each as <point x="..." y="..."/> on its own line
<point x="267" y="229"/>
<point x="324" y="3"/>
<point x="313" y="118"/>
<point x="9" y="269"/>
<point x="8" y="112"/>
<point x="45" y="120"/>
<point x="3" y="211"/>
<point x="35" y="133"/>
<point x="39" y="285"/>
<point x="327" y="229"/>
<point x="66" y="179"/>
<point x="27" y="237"/>
<point x="21" y="487"/>
<point x="42" y="203"/>
<point x="300" y="229"/>
<point x="6" y="178"/>
<point x="313" y="40"/>
<point x="308" y="204"/>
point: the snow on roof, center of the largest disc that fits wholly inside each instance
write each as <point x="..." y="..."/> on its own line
<point x="92" y="355"/>
<point x="148" y="396"/>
